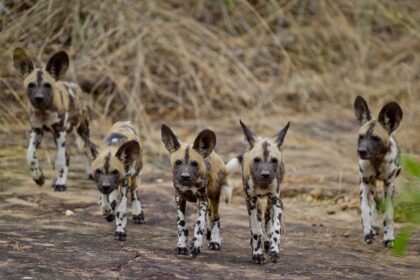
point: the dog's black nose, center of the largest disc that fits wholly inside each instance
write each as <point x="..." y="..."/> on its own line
<point x="185" y="177"/>
<point x="106" y="188"/>
<point x="265" y="174"/>
<point x="362" y="152"/>
<point x="39" y="99"/>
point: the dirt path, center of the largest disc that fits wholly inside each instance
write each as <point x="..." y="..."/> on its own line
<point x="38" y="241"/>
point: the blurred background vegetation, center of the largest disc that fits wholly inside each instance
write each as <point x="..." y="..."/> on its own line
<point x="201" y="59"/>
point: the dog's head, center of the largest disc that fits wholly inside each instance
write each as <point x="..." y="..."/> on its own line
<point x="188" y="161"/>
<point x="40" y="84"/>
<point x="374" y="134"/>
<point x="109" y="165"/>
<point x="263" y="160"/>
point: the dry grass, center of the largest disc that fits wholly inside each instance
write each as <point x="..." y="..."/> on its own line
<point x="198" y="59"/>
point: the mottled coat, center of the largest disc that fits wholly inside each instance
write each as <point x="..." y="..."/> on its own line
<point x="54" y="107"/>
<point x="379" y="159"/>
<point x="262" y="173"/>
<point x="116" y="165"/>
<point x="199" y="175"/>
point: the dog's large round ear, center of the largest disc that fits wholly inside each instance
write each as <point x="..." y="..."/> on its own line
<point x="249" y="135"/>
<point x="129" y="152"/>
<point x="279" y="137"/>
<point x="169" y="139"/>
<point x="390" y="116"/>
<point x="205" y="142"/>
<point x="57" y="65"/>
<point x="22" y="62"/>
<point x="361" y="110"/>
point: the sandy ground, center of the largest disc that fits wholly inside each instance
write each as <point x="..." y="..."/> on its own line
<point x="323" y="238"/>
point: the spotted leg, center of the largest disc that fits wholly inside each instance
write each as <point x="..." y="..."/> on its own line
<point x="181" y="248"/>
<point x="197" y="240"/>
<point x="136" y="210"/>
<point x="108" y="203"/>
<point x="61" y="163"/>
<point x="268" y="224"/>
<point x="374" y="210"/>
<point x="32" y="158"/>
<point x="389" y="188"/>
<point x="256" y="230"/>
<point x="121" y="220"/>
<point x="276" y="210"/>
<point x="366" y="185"/>
<point x="214" y="225"/>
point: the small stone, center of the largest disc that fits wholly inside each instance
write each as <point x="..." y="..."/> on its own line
<point x="345" y="206"/>
<point x="316" y="193"/>
<point x="69" y="213"/>
<point x="330" y="211"/>
<point x="159" y="180"/>
<point x="346" y="234"/>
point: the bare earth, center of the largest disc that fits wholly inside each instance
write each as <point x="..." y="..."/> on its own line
<point x="323" y="238"/>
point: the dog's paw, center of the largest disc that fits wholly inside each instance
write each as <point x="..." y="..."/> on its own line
<point x="139" y="219"/>
<point x="214" y="246"/>
<point x="181" y="251"/>
<point x="389" y="243"/>
<point x="258" y="259"/>
<point x="194" y="250"/>
<point x="60" y="188"/>
<point x="121" y="236"/>
<point x="40" y="180"/>
<point x="369" y="237"/>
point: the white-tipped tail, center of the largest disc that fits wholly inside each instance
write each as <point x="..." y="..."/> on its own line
<point x="227" y="191"/>
<point x="234" y="165"/>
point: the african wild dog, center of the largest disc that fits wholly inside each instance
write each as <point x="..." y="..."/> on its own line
<point x="54" y="107"/>
<point x="379" y="159"/>
<point x="262" y="172"/>
<point x="115" y="167"/>
<point x="199" y="175"/>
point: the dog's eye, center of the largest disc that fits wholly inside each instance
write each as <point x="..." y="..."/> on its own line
<point x="31" y="85"/>
<point x="98" y="172"/>
<point x="274" y="160"/>
<point x="115" y="172"/>
<point x="257" y="160"/>
<point x="47" y="85"/>
<point x="194" y="163"/>
<point x="376" y="139"/>
<point x="178" y="162"/>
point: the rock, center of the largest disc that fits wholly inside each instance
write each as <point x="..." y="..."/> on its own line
<point x="331" y="211"/>
<point x="316" y="193"/>
<point x="69" y="212"/>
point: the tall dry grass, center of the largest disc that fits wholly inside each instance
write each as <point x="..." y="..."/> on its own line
<point x="197" y="59"/>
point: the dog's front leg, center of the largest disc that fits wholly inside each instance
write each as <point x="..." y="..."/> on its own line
<point x="182" y="246"/>
<point x="136" y="209"/>
<point x="61" y="163"/>
<point x="256" y="230"/>
<point x="197" y="240"/>
<point x="108" y="203"/>
<point x="389" y="188"/>
<point x="32" y="157"/>
<point x="276" y="210"/>
<point x="366" y="184"/>
<point x="121" y="220"/>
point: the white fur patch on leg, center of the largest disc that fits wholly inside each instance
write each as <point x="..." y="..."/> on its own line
<point x="32" y="158"/>
<point x="121" y="216"/>
<point x="61" y="162"/>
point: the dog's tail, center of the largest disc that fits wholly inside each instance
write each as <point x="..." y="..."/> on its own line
<point x="232" y="166"/>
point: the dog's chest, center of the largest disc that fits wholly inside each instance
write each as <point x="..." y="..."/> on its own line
<point x="47" y="119"/>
